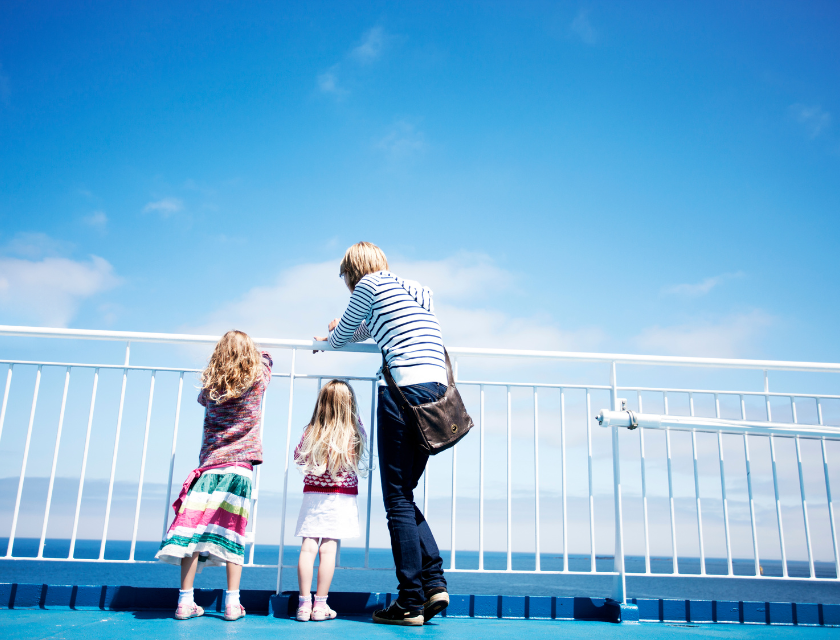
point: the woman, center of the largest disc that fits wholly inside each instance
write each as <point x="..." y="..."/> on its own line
<point x="399" y="316"/>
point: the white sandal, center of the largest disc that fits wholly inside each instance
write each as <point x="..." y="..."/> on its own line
<point x="323" y="613"/>
<point x="188" y="611"/>
<point x="234" y="613"/>
<point x="304" y="612"/>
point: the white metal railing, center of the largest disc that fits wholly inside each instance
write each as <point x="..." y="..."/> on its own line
<point x="612" y="417"/>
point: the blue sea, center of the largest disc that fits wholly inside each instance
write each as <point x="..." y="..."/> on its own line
<point x="349" y="577"/>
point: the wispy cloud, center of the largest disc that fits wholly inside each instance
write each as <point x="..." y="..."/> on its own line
<point x="371" y="46"/>
<point x="730" y="337"/>
<point x="165" y="207"/>
<point x="50" y="291"/>
<point x="815" y="119"/>
<point x="34" y="246"/>
<point x="97" y="220"/>
<point x="583" y="29"/>
<point x="403" y="139"/>
<point x="700" y="288"/>
<point x="367" y="51"/>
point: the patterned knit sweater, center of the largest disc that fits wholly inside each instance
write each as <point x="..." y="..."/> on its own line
<point x="346" y="482"/>
<point x="232" y="428"/>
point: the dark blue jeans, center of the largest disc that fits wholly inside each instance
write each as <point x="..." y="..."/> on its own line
<point x="401" y="464"/>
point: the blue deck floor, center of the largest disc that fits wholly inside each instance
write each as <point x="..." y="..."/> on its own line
<point x="26" y="625"/>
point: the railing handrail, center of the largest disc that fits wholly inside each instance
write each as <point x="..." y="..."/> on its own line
<point x="579" y="356"/>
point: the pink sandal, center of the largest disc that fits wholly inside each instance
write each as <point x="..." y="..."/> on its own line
<point x="234" y="613"/>
<point x="304" y="612"/>
<point x="185" y="612"/>
<point x="324" y="612"/>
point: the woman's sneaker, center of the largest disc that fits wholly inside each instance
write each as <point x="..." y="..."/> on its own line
<point x="437" y="599"/>
<point x="395" y="614"/>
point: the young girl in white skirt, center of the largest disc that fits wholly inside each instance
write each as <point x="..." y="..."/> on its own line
<point x="330" y="455"/>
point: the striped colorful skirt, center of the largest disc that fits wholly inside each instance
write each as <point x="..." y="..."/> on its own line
<point x="211" y="520"/>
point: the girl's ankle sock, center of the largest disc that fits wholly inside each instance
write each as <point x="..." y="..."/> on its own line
<point x="304" y="600"/>
<point x="185" y="597"/>
<point x="232" y="598"/>
<point x="320" y="602"/>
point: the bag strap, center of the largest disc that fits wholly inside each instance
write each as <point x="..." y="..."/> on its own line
<point x="396" y="392"/>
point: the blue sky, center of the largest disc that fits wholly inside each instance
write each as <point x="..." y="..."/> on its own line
<point x="625" y="177"/>
<point x="636" y="177"/>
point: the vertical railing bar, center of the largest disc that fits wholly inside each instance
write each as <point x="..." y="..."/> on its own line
<point x="750" y="491"/>
<point x="592" y="567"/>
<point x="644" y="488"/>
<point x="54" y="464"/>
<point x="563" y="477"/>
<point x="671" y="497"/>
<point x="255" y="495"/>
<point x="114" y="458"/>
<point x="619" y="593"/>
<point x="84" y="465"/>
<point x="830" y="508"/>
<point x="6" y="398"/>
<point x="536" y="483"/>
<point x="804" y="507"/>
<point x="697" y="499"/>
<point x="778" y="506"/>
<point x="481" y="479"/>
<point x="371" y="466"/>
<point x="168" y="501"/>
<point x="793" y="410"/>
<point x="723" y="494"/>
<point x="509" y="485"/>
<point x="286" y="475"/>
<point x="142" y="467"/>
<point x="23" y="463"/>
<point x="453" y="511"/>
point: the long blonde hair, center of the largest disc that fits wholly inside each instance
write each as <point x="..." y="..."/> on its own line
<point x="234" y="367"/>
<point x="333" y="440"/>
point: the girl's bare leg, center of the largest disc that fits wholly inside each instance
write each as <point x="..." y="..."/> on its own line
<point x="327" y="566"/>
<point x="234" y="574"/>
<point x="306" y="563"/>
<point x="188" y="568"/>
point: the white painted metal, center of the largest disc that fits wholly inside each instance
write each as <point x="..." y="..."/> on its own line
<point x="114" y="458"/>
<point x="286" y="475"/>
<point x="168" y="502"/>
<point x="11" y="542"/>
<point x="698" y="505"/>
<point x="676" y="568"/>
<point x="592" y="566"/>
<point x="371" y="440"/>
<point x="563" y="478"/>
<point x="84" y="466"/>
<point x="481" y="479"/>
<point x="804" y="505"/>
<point x="778" y="504"/>
<point x="509" y="484"/>
<point x="644" y="489"/>
<point x="725" y="504"/>
<point x="830" y="509"/>
<point x="453" y="514"/>
<point x="54" y="463"/>
<point x="536" y="483"/>
<point x="619" y="581"/>
<point x="255" y="494"/>
<point x="142" y="467"/>
<point x="6" y="398"/>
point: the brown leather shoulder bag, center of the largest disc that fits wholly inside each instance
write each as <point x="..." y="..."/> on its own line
<point x="440" y="424"/>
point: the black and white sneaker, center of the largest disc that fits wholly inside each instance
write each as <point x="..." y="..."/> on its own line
<point x="437" y="599"/>
<point x="395" y="614"/>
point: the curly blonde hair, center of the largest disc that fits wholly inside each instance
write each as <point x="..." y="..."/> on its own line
<point x="234" y="367"/>
<point x="333" y="440"/>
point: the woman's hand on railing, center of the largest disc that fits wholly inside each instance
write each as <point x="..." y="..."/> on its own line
<point x="332" y="325"/>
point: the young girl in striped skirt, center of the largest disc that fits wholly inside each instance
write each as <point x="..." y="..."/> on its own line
<point x="213" y="508"/>
<point x="330" y="454"/>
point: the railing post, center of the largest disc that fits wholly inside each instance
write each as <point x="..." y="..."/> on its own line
<point x="286" y="476"/>
<point x="619" y="582"/>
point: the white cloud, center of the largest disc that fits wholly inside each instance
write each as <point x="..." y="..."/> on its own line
<point x="328" y="82"/>
<point x="700" y="288"/>
<point x="304" y="298"/>
<point x="731" y="337"/>
<point x="403" y="140"/>
<point x="34" y="245"/>
<point x="97" y="220"/>
<point x="49" y="291"/>
<point x="166" y="207"/>
<point x="815" y="119"/>
<point x="371" y="46"/>
<point x="583" y="29"/>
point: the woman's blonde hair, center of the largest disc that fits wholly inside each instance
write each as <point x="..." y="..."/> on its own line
<point x="333" y="440"/>
<point x="234" y="367"/>
<point x="361" y="259"/>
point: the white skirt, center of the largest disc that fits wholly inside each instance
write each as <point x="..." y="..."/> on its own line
<point x="328" y="515"/>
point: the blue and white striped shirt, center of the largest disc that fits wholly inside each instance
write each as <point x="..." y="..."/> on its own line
<point x="398" y="314"/>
